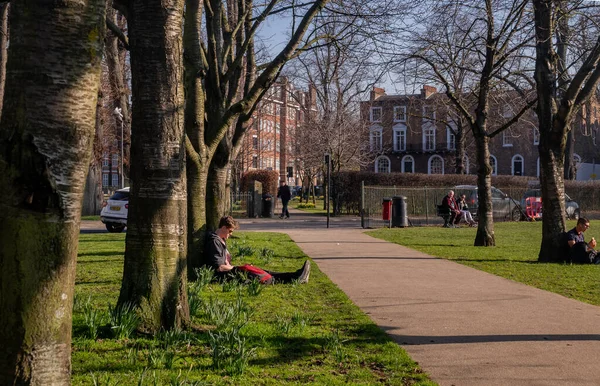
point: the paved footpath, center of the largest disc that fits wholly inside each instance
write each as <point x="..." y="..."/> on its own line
<point x="463" y="326"/>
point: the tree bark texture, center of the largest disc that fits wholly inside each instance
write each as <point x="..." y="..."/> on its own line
<point x="485" y="236"/>
<point x="154" y="276"/>
<point x="4" y="7"/>
<point x="552" y="135"/>
<point x="46" y="137"/>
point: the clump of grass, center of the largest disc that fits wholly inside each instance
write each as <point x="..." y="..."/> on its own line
<point x="254" y="287"/>
<point x="267" y="254"/>
<point x="300" y="320"/>
<point x="230" y="351"/>
<point x="94" y="319"/>
<point x="159" y="358"/>
<point x="244" y="251"/>
<point x="172" y="338"/>
<point x="204" y="275"/>
<point x="283" y="324"/>
<point x="123" y="320"/>
<point x="227" y="315"/>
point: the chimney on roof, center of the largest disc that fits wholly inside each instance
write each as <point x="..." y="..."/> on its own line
<point x="427" y="91"/>
<point x="376" y="93"/>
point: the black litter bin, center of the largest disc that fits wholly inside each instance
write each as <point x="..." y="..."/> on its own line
<point x="399" y="215"/>
<point x="267" y="205"/>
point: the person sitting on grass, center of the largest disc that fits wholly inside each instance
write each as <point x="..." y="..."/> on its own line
<point x="217" y="257"/>
<point x="575" y="249"/>
<point x="449" y="203"/>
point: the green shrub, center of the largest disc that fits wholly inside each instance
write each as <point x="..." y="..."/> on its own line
<point x="306" y="205"/>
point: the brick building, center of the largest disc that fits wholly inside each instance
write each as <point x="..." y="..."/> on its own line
<point x="270" y="142"/>
<point x="412" y="134"/>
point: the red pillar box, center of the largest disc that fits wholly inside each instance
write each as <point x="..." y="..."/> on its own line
<point x="386" y="209"/>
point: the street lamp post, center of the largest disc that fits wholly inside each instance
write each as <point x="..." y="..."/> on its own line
<point x="119" y="115"/>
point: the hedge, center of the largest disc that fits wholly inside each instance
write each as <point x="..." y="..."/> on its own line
<point x="268" y="178"/>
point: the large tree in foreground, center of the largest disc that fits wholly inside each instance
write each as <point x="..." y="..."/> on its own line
<point x="560" y="96"/>
<point x="154" y="277"/>
<point x="46" y="136"/>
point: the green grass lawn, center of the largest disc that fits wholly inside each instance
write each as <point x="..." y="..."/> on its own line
<point x="90" y="218"/>
<point x="514" y="256"/>
<point x="287" y="334"/>
<point x="318" y="208"/>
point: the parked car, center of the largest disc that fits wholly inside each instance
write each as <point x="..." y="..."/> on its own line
<point x="114" y="211"/>
<point x="571" y="207"/>
<point x="503" y="206"/>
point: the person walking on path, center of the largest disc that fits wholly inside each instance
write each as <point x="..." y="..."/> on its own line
<point x="285" y="194"/>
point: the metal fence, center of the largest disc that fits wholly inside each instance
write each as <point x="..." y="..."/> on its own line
<point x="421" y="204"/>
<point x="239" y="203"/>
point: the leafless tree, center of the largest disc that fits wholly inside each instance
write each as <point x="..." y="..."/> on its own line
<point x="475" y="50"/>
<point x="566" y="76"/>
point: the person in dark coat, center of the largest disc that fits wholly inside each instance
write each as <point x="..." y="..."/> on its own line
<point x="217" y="257"/>
<point x="285" y="194"/>
<point x="449" y="202"/>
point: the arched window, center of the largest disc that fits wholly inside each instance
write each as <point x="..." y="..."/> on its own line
<point x="408" y="164"/>
<point x="382" y="164"/>
<point x="517" y="165"/>
<point x="494" y="165"/>
<point x="436" y="165"/>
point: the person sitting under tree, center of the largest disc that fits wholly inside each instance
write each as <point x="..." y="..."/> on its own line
<point x="217" y="257"/>
<point x="575" y="249"/>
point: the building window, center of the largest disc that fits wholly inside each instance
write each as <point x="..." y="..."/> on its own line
<point x="494" y="165"/>
<point x="428" y="137"/>
<point x="255" y="162"/>
<point x="399" y="138"/>
<point x="399" y="113"/>
<point x="290" y="171"/>
<point x="105" y="162"/>
<point x="517" y="165"/>
<point x="428" y="113"/>
<point x="255" y="142"/>
<point x="105" y="178"/>
<point x="376" y="139"/>
<point x="115" y="160"/>
<point x="115" y="179"/>
<point x="450" y="139"/>
<point x="408" y="164"/>
<point x="436" y="165"/>
<point x="536" y="136"/>
<point x="382" y="165"/>
<point x="376" y="114"/>
<point x="507" y="138"/>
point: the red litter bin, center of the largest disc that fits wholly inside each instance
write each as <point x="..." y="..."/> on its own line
<point x="386" y="210"/>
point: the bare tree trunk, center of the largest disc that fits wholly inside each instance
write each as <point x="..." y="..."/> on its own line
<point x="154" y="276"/>
<point x="485" y="230"/>
<point x="4" y="7"/>
<point x="46" y="136"/>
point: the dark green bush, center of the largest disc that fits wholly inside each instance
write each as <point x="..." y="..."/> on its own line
<point x="268" y="178"/>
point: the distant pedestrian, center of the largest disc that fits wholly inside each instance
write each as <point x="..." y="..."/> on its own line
<point x="285" y="194"/>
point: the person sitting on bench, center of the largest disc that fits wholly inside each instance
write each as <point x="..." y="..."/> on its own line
<point x="449" y="203"/>
<point x="464" y="210"/>
<point x="217" y="257"/>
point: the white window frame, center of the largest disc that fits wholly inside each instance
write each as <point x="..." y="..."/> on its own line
<point x="371" y="115"/>
<point x="399" y="133"/>
<point x="408" y="158"/>
<point x="104" y="179"/>
<point x="506" y="138"/>
<point x="430" y="161"/>
<point x="424" y="112"/>
<point x="514" y="159"/>
<point x="398" y="109"/>
<point x="429" y="133"/>
<point x="536" y="136"/>
<point x="494" y="165"/>
<point x="450" y="138"/>
<point x="115" y="180"/>
<point x="376" y="141"/>
<point x="377" y="167"/>
<point x="115" y="160"/>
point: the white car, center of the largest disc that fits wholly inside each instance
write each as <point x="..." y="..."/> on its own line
<point x="114" y="211"/>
